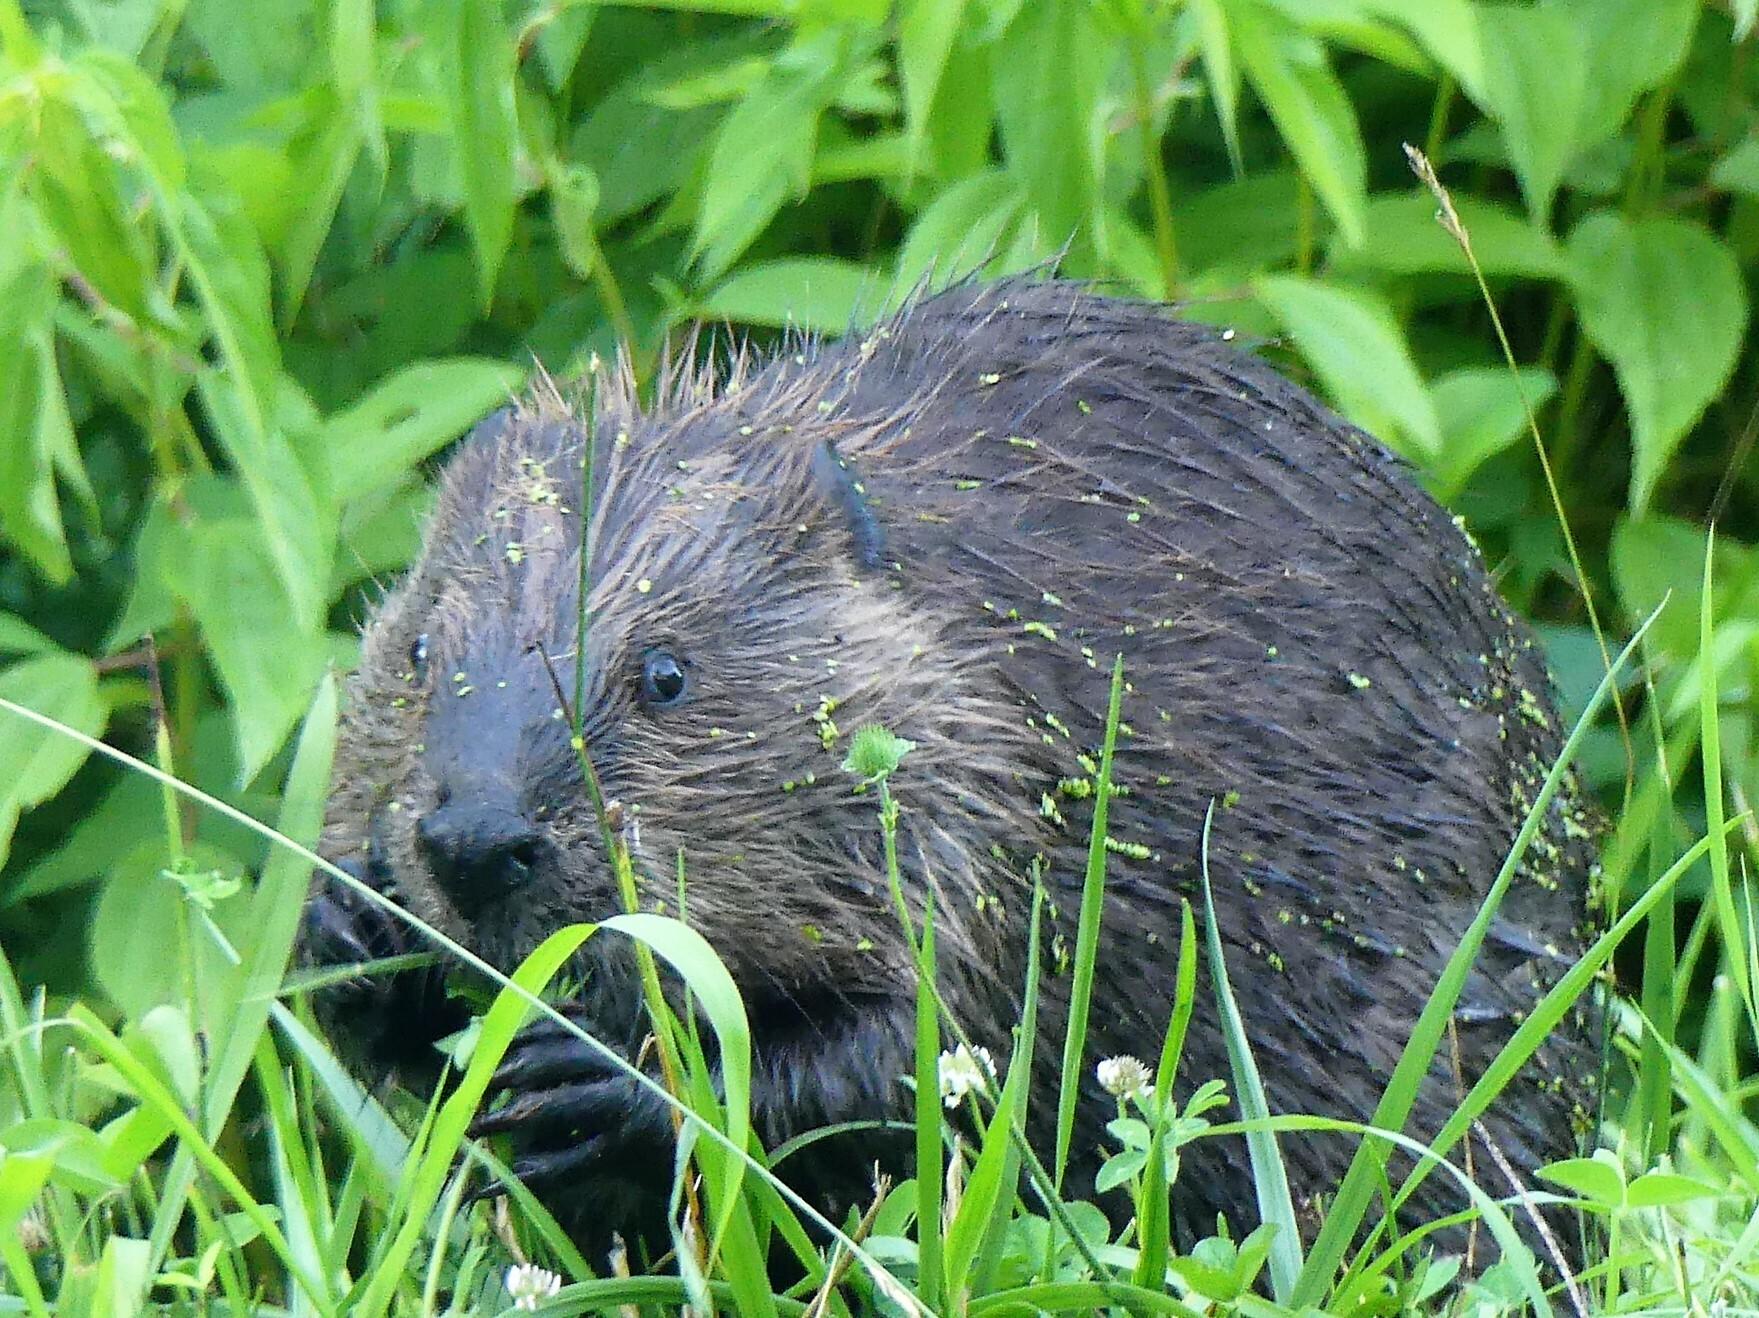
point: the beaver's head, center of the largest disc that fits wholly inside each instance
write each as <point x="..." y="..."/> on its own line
<point x="744" y="621"/>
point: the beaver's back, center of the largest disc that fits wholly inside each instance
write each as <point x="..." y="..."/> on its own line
<point x="1310" y="642"/>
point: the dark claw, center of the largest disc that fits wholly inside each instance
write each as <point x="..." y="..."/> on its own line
<point x="383" y="1022"/>
<point x="565" y="1106"/>
<point x="550" y="1166"/>
<point x="332" y="935"/>
<point x="539" y="1063"/>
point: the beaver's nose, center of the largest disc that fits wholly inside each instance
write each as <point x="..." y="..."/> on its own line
<point x="478" y="853"/>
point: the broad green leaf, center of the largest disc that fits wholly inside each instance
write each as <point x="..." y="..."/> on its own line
<point x="1535" y="89"/>
<point x="1481" y="414"/>
<point x="409" y="417"/>
<point x="1738" y="171"/>
<point x="121" y="1284"/>
<point x="1661" y="558"/>
<point x="960" y="231"/>
<point x="1353" y="342"/>
<point x="36" y="762"/>
<point x="1664" y="300"/>
<point x="1598" y="1179"/>
<point x="561" y="40"/>
<point x="480" y="68"/>
<point x="1403" y="237"/>
<point x="1050" y="69"/>
<point x="1660" y="1189"/>
<point x="354" y="68"/>
<point x="73" y="181"/>
<point x="641" y="151"/>
<point x="926" y="30"/>
<point x="763" y="150"/>
<point x="138" y="935"/>
<point x="226" y="265"/>
<point x="133" y="110"/>
<point x="18" y="637"/>
<point x="268" y="661"/>
<point x="1292" y="76"/>
<point x="22" y="1177"/>
<point x="33" y="412"/>
<point x="322" y="162"/>
<point x="1630" y="46"/>
<point x="1448" y="30"/>
<point x="1241" y="226"/>
<point x="255" y="48"/>
<point x="808" y="292"/>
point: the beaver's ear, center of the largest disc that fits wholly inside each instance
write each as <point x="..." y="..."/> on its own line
<point x="840" y="485"/>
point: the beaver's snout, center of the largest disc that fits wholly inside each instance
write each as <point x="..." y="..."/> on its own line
<point x="478" y="852"/>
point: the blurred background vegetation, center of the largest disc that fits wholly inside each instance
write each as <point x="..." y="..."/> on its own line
<point x="261" y="262"/>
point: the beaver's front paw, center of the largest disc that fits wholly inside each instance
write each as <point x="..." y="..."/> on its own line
<point x="573" y="1115"/>
<point x="385" y="1023"/>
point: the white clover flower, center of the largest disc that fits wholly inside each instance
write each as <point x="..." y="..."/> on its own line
<point x="1124" y="1077"/>
<point x="964" y="1070"/>
<point x="530" y="1285"/>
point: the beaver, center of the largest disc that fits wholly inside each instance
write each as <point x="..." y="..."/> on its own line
<point x="949" y="526"/>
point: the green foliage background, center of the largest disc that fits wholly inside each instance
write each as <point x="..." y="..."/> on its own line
<point x="260" y="262"/>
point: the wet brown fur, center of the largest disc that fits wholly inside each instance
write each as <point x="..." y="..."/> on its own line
<point x="1058" y="477"/>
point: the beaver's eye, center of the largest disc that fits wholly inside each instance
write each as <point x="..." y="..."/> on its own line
<point x="662" y="678"/>
<point x="418" y="657"/>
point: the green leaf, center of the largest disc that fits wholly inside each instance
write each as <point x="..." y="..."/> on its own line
<point x="690" y="954"/>
<point x="1535" y="89"/>
<point x="73" y="182"/>
<point x="808" y="292"/>
<point x="480" y="71"/>
<point x="275" y="908"/>
<point x="1403" y="237"/>
<point x="267" y="660"/>
<point x="1662" y="1189"/>
<point x="409" y="417"/>
<point x="322" y="163"/>
<point x="224" y="261"/>
<point x="763" y="151"/>
<point x="34" y="424"/>
<point x="1663" y="300"/>
<point x="1481" y="414"/>
<point x="1598" y="1179"/>
<point x="22" y="1177"/>
<point x="1211" y="18"/>
<point x="18" y="637"/>
<point x="1662" y="558"/>
<point x="1292" y="76"/>
<point x="1050" y="68"/>
<point x="574" y="196"/>
<point x="36" y="762"/>
<point x="926" y="30"/>
<point x="1449" y="32"/>
<point x="1352" y="341"/>
<point x="960" y="231"/>
<point x="1629" y="46"/>
<point x="121" y="1285"/>
<point x="1738" y="171"/>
